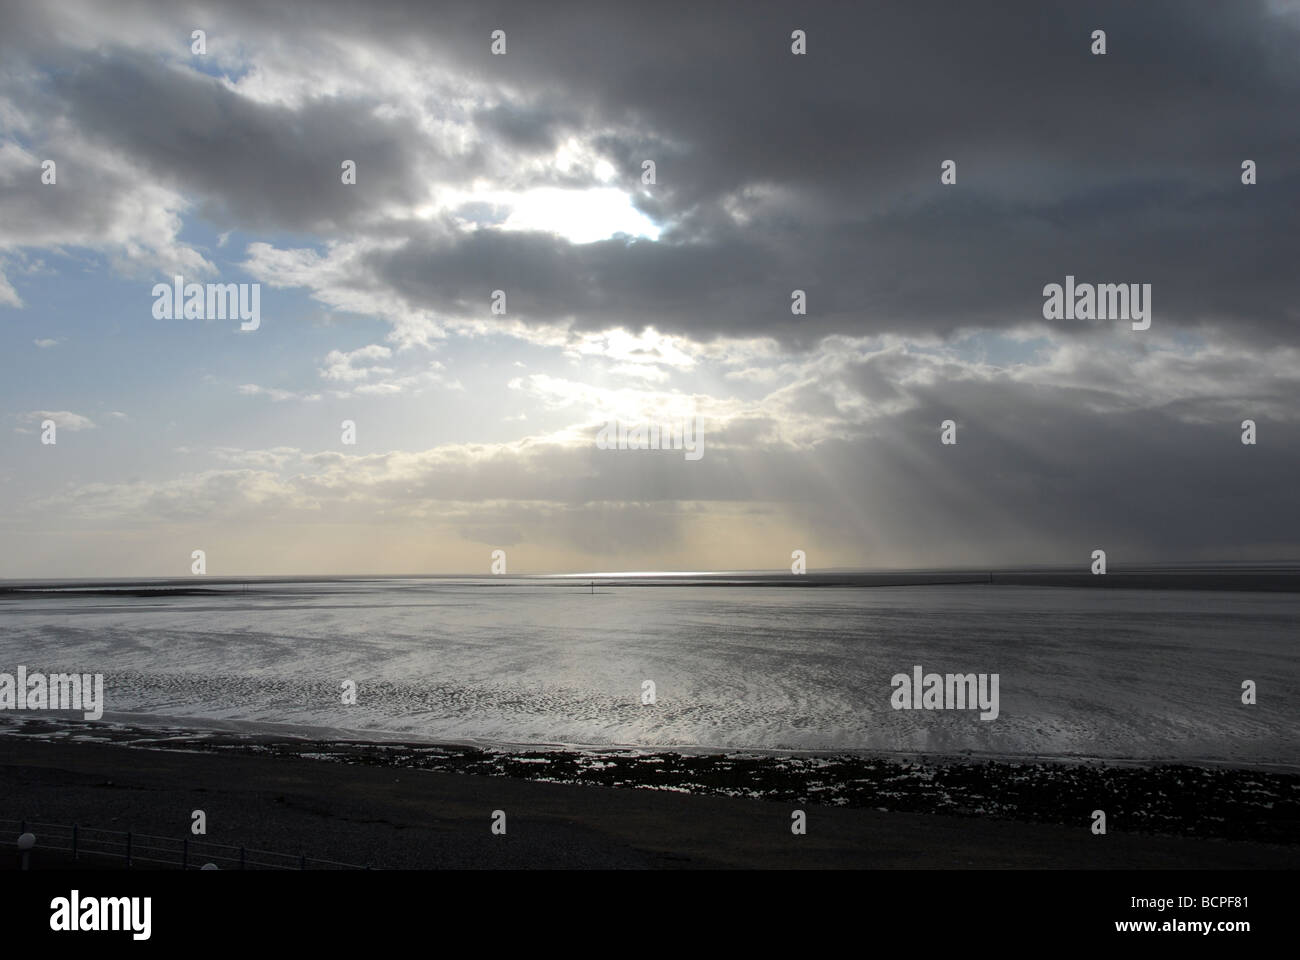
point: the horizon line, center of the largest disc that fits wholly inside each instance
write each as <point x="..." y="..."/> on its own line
<point x="1029" y="568"/>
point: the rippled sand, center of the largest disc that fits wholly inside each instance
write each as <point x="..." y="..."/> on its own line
<point x="1127" y="674"/>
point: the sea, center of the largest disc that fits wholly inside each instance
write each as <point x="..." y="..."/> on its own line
<point x="688" y="662"/>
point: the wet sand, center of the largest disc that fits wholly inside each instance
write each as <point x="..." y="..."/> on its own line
<point x="397" y="817"/>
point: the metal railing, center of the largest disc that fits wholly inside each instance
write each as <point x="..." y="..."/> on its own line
<point x="186" y="853"/>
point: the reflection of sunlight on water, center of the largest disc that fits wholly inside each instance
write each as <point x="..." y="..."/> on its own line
<point x="1117" y="674"/>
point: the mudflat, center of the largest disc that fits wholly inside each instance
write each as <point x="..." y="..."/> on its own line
<point x="404" y="818"/>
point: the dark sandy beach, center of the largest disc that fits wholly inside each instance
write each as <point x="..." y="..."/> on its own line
<point x="382" y="812"/>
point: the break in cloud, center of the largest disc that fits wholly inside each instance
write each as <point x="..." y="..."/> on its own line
<point x="774" y="172"/>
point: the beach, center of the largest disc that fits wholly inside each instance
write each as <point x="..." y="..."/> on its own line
<point x="380" y="805"/>
<point x="382" y="721"/>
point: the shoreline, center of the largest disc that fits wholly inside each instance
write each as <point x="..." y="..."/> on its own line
<point x="141" y="727"/>
<point x="1151" y="798"/>
<point x="393" y="817"/>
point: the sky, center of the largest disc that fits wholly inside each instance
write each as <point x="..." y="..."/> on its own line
<point x="476" y="417"/>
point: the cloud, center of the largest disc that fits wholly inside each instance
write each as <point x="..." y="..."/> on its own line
<point x="344" y="366"/>
<point x="99" y="202"/>
<point x="774" y="173"/>
<point x="1053" y="460"/>
<point x="8" y="296"/>
<point x="813" y="177"/>
<point x="63" y="419"/>
<point x="274" y="393"/>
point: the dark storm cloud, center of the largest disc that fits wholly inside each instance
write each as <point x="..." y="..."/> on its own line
<point x="925" y="271"/>
<point x="1036" y="475"/>
<point x="526" y="127"/>
<point x="1122" y="168"/>
<point x="1117" y="168"/>
<point x="255" y="165"/>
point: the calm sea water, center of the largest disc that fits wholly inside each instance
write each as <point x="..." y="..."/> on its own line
<point x="1134" y="674"/>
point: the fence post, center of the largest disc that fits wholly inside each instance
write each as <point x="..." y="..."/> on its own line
<point x="185" y="854"/>
<point x="128" y="848"/>
<point x="302" y="861"/>
<point x="74" y="841"/>
<point x="25" y="843"/>
<point x="241" y="858"/>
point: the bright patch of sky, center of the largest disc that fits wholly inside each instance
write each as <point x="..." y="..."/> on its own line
<point x="579" y="216"/>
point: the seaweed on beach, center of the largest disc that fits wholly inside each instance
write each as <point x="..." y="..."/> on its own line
<point x="1164" y="799"/>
